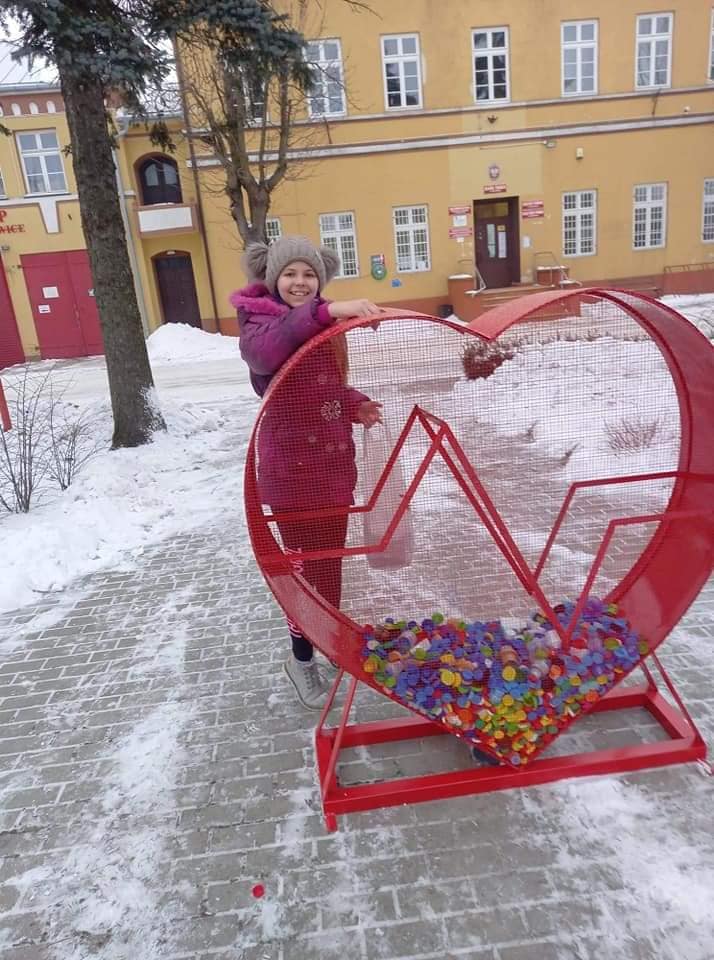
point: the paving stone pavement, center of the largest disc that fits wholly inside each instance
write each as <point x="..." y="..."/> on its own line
<point x="154" y="767"/>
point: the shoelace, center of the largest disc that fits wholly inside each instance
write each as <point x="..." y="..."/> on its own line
<point x="312" y="677"/>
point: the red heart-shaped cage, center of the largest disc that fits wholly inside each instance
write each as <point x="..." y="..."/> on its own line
<point x="547" y="485"/>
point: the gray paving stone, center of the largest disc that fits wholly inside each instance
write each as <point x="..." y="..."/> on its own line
<point x="481" y="878"/>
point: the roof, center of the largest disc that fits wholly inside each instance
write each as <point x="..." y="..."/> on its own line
<point x="19" y="77"/>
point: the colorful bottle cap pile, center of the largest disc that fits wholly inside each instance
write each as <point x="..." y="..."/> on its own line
<point x="510" y="690"/>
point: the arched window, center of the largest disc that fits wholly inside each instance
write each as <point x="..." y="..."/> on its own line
<point x="33" y="107"/>
<point x="159" y="181"/>
<point x="51" y="106"/>
<point x="16" y="109"/>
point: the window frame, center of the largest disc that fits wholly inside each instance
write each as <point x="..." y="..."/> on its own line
<point x="707" y="201"/>
<point x="401" y="59"/>
<point x="578" y="211"/>
<point x="41" y="153"/>
<point x="653" y="37"/>
<point x="578" y="45"/>
<point x="157" y="158"/>
<point x="411" y="228"/>
<point x="324" y="65"/>
<point x="326" y="236"/>
<point x="711" y="48"/>
<point x="271" y="239"/>
<point x="648" y="205"/>
<point x="490" y="52"/>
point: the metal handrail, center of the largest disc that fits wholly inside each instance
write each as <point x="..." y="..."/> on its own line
<point x="481" y="284"/>
<point x="563" y="280"/>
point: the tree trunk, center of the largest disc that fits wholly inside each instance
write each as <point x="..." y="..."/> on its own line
<point x="131" y="385"/>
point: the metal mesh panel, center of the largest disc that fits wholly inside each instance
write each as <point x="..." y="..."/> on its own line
<point x="487" y="440"/>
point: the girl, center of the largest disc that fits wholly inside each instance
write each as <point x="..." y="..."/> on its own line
<point x="306" y="455"/>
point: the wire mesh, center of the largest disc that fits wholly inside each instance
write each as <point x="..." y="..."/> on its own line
<point x="429" y="532"/>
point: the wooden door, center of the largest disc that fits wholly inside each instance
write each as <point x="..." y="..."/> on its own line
<point x="496" y="243"/>
<point x="177" y="289"/>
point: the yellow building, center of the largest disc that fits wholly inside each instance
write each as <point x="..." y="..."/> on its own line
<point x="495" y="143"/>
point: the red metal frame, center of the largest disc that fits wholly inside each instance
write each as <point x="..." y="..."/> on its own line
<point x="673" y="567"/>
<point x="685" y="744"/>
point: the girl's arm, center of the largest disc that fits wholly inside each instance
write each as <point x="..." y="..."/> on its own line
<point x="353" y="399"/>
<point x="266" y="342"/>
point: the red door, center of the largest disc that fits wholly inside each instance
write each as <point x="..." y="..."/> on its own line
<point x="63" y="308"/>
<point x="10" y="345"/>
<point x="83" y="286"/>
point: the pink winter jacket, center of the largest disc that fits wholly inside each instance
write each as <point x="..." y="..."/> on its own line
<point x="306" y="455"/>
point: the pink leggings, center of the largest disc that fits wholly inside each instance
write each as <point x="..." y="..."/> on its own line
<point x="325" y="576"/>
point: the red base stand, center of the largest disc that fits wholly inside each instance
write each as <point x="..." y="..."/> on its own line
<point x="685" y="744"/>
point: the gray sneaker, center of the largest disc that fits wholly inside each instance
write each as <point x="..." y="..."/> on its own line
<point x="310" y="688"/>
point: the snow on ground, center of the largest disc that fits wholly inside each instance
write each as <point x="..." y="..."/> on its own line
<point x="124" y="500"/>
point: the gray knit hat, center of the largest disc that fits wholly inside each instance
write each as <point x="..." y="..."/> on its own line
<point x="266" y="263"/>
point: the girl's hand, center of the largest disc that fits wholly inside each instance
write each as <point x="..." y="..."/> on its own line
<point x="346" y="309"/>
<point x="369" y="412"/>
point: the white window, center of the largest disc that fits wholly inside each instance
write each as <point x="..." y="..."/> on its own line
<point x="411" y="239"/>
<point x="337" y="231"/>
<point x="326" y="97"/>
<point x="42" y="162"/>
<point x="649" y="215"/>
<point x="51" y="107"/>
<point x="711" y="48"/>
<point x="708" y="212"/>
<point x="579" y="223"/>
<point x="16" y="109"/>
<point x="490" y="64"/>
<point x="579" y="57"/>
<point x="654" y="50"/>
<point x="2" y="186"/>
<point x="273" y="230"/>
<point x="402" y="71"/>
<point x="33" y="107"/>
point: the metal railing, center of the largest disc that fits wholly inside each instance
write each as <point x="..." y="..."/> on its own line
<point x="481" y="284"/>
<point x="553" y="265"/>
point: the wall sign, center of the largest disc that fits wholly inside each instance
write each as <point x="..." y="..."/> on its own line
<point x="460" y="208"/>
<point x="44" y="308"/>
<point x="50" y="293"/>
<point x="456" y="232"/>
<point x="532" y="209"/>
<point x="494" y="171"/>
<point x="495" y="188"/>
<point x="10" y="227"/>
<point x="459" y="220"/>
<point x="377" y="267"/>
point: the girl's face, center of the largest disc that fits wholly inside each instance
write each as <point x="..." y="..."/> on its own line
<point x="298" y="283"/>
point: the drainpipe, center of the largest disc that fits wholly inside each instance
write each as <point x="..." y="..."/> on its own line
<point x="122" y="126"/>
<point x="196" y="183"/>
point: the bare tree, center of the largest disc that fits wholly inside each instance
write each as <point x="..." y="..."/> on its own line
<point x="244" y="102"/>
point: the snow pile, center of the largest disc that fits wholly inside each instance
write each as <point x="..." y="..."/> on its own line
<point x="181" y="343"/>
<point x="123" y="501"/>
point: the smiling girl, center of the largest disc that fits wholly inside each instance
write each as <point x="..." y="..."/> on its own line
<point x="306" y="454"/>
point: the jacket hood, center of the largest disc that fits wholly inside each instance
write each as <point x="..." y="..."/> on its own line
<point x="256" y="298"/>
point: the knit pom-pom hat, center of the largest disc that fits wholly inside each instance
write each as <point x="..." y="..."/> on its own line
<point x="266" y="263"/>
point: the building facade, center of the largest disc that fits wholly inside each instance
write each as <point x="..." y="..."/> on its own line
<point x="497" y="143"/>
